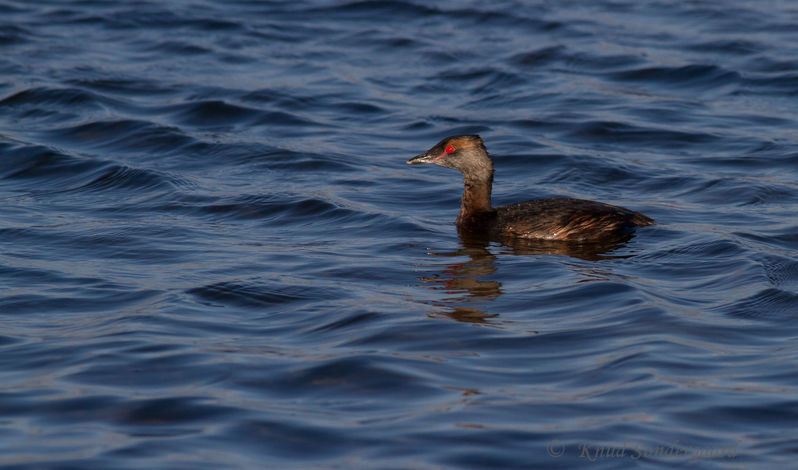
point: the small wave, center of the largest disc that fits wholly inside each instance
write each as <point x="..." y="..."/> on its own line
<point x="44" y="169"/>
<point x="119" y="177"/>
<point x="782" y="84"/>
<point x="179" y="48"/>
<point x="279" y="443"/>
<point x="772" y="65"/>
<point x="498" y="18"/>
<point x="546" y="56"/>
<point x="88" y="300"/>
<point x="256" y="293"/>
<point x="355" y="375"/>
<point x="140" y="86"/>
<point x="126" y="135"/>
<point x="353" y="321"/>
<point x="216" y="114"/>
<point x="279" y="159"/>
<point x="728" y="46"/>
<point x="696" y="76"/>
<point x="35" y="165"/>
<point x="785" y="238"/>
<point x="736" y="190"/>
<point x="613" y="131"/>
<point x="163" y="412"/>
<point x="595" y="171"/>
<point x="765" y="193"/>
<point x="768" y="304"/>
<point x="289" y="105"/>
<point x="13" y="35"/>
<point x="540" y="57"/>
<point x="481" y="80"/>
<point x="393" y="8"/>
<point x="7" y="9"/>
<point x="54" y="97"/>
<point x="780" y="271"/>
<point x="287" y="209"/>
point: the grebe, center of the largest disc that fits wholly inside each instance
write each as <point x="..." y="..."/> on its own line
<point x="539" y="219"/>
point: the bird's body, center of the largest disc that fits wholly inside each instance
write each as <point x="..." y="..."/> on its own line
<point x="538" y="219"/>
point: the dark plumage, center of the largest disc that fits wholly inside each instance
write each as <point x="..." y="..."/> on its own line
<point x="539" y="219"/>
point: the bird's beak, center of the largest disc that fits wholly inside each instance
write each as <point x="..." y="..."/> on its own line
<point x="423" y="158"/>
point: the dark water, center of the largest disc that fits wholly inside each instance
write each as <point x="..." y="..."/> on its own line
<point x="214" y="255"/>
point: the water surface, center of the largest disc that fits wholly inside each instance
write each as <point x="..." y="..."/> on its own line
<point x="214" y="256"/>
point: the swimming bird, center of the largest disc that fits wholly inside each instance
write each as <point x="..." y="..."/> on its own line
<point x="558" y="218"/>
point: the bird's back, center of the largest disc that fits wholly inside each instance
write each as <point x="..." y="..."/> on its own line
<point x="565" y="219"/>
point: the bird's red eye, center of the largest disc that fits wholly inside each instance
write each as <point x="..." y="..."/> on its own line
<point x="449" y="149"/>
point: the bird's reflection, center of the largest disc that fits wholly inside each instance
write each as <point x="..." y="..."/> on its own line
<point x="470" y="294"/>
<point x="463" y="281"/>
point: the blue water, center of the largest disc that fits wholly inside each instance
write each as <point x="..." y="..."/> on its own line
<point x="215" y="257"/>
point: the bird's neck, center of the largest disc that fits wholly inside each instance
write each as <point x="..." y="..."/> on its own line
<point x="476" y="197"/>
